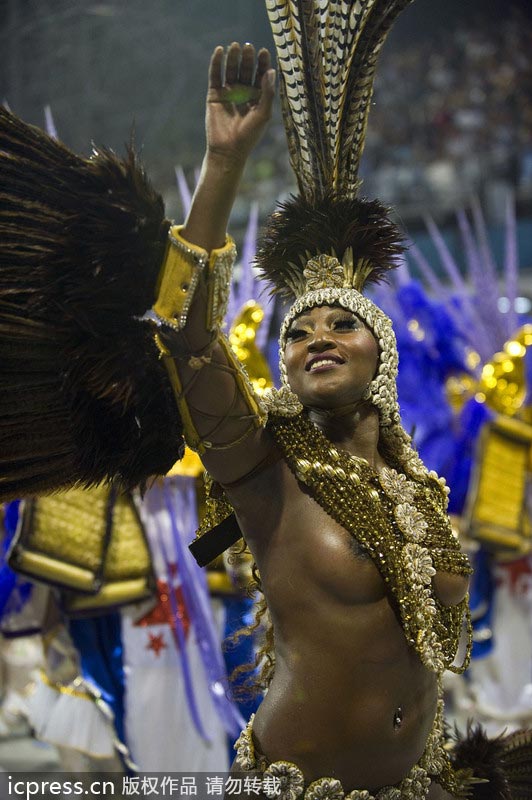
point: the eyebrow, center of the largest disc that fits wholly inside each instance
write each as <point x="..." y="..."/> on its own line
<point x="304" y="318"/>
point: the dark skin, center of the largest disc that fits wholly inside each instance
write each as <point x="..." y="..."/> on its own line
<point x="344" y="671"/>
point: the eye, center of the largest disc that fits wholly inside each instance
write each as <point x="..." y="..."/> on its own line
<point x="346" y="324"/>
<point x="294" y="334"/>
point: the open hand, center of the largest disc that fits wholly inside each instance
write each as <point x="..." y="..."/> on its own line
<point x="239" y="100"/>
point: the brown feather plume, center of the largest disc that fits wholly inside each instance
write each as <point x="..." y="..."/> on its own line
<point x="505" y="763"/>
<point x="327" y="54"/>
<point x="358" y="90"/>
<point x="84" y="398"/>
<point x="301" y="229"/>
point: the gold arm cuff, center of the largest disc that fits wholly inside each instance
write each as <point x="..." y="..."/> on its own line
<point x="192" y="437"/>
<point x="180" y="272"/>
<point x="220" y="268"/>
<point x="244" y="384"/>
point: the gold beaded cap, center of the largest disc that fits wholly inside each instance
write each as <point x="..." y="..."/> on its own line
<point x="329" y="284"/>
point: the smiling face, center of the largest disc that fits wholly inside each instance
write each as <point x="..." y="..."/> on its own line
<point x="331" y="356"/>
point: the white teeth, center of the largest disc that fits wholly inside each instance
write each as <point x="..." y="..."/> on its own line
<point x="322" y="363"/>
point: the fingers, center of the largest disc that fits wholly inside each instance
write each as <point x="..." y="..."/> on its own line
<point x="232" y="63"/>
<point x="267" y="93"/>
<point x="263" y="65"/>
<point x="243" y="81"/>
<point x="239" y="66"/>
<point x="247" y="64"/>
<point x="215" y="68"/>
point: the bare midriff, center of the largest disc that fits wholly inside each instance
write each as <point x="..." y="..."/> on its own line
<point x="350" y="698"/>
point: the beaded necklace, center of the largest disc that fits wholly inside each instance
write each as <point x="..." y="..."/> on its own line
<point x="402" y="524"/>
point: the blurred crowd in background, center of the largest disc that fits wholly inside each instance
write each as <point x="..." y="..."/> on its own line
<point x="454" y="116"/>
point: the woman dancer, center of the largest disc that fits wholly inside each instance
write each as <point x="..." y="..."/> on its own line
<point x="365" y="584"/>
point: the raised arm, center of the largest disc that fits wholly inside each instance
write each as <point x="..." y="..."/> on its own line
<point x="221" y="415"/>
<point x="239" y="103"/>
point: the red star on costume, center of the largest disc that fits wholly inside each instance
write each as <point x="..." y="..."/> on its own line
<point x="163" y="612"/>
<point x="156" y="643"/>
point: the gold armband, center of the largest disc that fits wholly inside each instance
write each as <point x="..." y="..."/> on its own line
<point x="179" y="276"/>
<point x="180" y="272"/>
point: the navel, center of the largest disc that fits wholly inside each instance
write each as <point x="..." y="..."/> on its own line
<point x="397" y="718"/>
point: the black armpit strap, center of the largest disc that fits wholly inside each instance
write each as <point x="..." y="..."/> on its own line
<point x="213" y="543"/>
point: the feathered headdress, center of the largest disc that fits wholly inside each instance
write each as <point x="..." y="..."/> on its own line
<point x="84" y="397"/>
<point x="324" y="246"/>
<point x="327" y="54"/>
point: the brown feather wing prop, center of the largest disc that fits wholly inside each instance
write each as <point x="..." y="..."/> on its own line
<point x="83" y="397"/>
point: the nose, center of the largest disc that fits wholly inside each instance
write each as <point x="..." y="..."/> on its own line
<point x="320" y="341"/>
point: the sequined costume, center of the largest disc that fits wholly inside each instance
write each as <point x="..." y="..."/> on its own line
<point x="399" y="517"/>
<point x="401" y="522"/>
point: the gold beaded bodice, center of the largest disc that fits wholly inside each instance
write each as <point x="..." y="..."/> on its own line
<point x="401" y="522"/>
